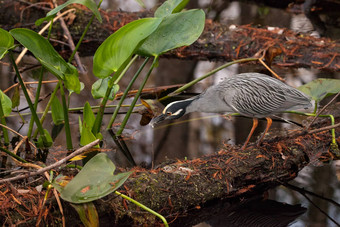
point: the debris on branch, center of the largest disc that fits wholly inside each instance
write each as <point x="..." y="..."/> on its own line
<point x="218" y="42"/>
<point x="181" y="187"/>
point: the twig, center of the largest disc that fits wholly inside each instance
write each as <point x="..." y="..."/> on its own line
<point x="304" y="191"/>
<point x="324" y="128"/>
<point x="54" y="165"/>
<point x="35" y="82"/>
<point x="23" y="137"/>
<point x="323" y="109"/>
<point x="70" y="40"/>
<point x="23" y="52"/>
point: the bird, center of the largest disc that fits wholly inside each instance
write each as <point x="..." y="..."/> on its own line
<point x="253" y="95"/>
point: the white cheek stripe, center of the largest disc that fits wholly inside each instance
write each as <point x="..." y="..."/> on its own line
<point x="177" y="112"/>
<point x="164" y="111"/>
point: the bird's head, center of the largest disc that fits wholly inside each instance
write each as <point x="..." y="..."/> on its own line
<point x="173" y="110"/>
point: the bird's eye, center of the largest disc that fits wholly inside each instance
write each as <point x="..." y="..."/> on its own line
<point x="168" y="113"/>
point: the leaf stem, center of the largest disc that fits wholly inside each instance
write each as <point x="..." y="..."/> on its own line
<point x="66" y="119"/>
<point x="37" y="95"/>
<point x="34" y="114"/>
<point x="186" y="86"/>
<point x="3" y="121"/>
<point x="46" y="111"/>
<point x="113" y="118"/>
<point x="83" y="35"/>
<point x="127" y="116"/>
<point x="13" y="155"/>
<point x="143" y="207"/>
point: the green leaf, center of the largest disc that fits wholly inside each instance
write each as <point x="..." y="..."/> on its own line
<point x="6" y="103"/>
<point x="94" y="181"/>
<point x="100" y="86"/>
<point x="57" y="111"/>
<point x="44" y="52"/>
<point x="176" y="30"/>
<point x="6" y="42"/>
<point x="16" y="97"/>
<point x="72" y="82"/>
<point x="321" y="88"/>
<point x="87" y="136"/>
<point x="118" y="48"/>
<point x="87" y="213"/>
<point x="170" y="7"/>
<point x="88" y="116"/>
<point x="88" y="3"/>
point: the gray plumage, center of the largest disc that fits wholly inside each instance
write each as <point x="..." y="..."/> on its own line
<point x="249" y="94"/>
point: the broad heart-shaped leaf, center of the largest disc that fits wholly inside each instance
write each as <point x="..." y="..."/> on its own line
<point x="94" y="181"/>
<point x="44" y="52"/>
<point x="88" y="3"/>
<point x="6" y="103"/>
<point x="170" y="7"/>
<point x="6" y="42"/>
<point x="57" y="111"/>
<point x="118" y="48"/>
<point x="321" y="88"/>
<point x="100" y="86"/>
<point x="176" y="30"/>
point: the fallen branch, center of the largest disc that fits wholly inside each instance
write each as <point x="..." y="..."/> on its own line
<point x="218" y="42"/>
<point x="52" y="166"/>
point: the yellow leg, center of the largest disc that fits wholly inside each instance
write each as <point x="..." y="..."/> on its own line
<point x="269" y="123"/>
<point x="255" y="123"/>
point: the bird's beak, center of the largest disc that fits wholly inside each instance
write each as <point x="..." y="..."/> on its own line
<point x="157" y="119"/>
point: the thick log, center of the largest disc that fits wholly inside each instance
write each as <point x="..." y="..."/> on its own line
<point x="231" y="174"/>
<point x="218" y="42"/>
<point x="179" y="188"/>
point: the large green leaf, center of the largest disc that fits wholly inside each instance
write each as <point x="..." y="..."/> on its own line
<point x="94" y="181"/>
<point x="6" y="103"/>
<point x="119" y="47"/>
<point x="176" y="30"/>
<point x="88" y="3"/>
<point x="6" y="42"/>
<point x="170" y="7"/>
<point x="321" y="88"/>
<point x="44" y="52"/>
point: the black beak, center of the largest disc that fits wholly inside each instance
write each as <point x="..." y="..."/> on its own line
<point x="157" y="119"/>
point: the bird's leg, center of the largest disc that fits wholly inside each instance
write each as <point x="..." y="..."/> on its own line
<point x="269" y="123"/>
<point x="255" y="123"/>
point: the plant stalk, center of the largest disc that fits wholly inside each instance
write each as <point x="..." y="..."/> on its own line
<point x="66" y="119"/>
<point x="113" y="118"/>
<point x="127" y="116"/>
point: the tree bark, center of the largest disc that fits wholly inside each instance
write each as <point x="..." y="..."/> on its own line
<point x="175" y="188"/>
<point x="218" y="42"/>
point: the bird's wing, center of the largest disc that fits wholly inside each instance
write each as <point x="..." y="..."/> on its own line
<point x="254" y="98"/>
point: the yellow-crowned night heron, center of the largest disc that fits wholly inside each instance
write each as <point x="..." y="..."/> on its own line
<point x="253" y="95"/>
